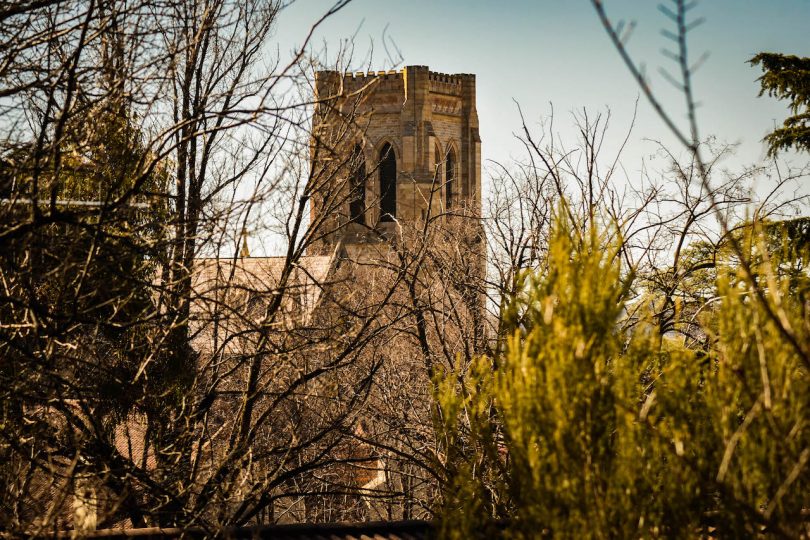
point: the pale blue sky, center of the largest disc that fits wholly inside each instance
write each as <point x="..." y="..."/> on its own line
<point x="545" y="52"/>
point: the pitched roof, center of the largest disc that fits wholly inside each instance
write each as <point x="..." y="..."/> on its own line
<point x="261" y="273"/>
<point x="233" y="292"/>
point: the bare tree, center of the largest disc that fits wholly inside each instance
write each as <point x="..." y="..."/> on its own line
<point x="146" y="385"/>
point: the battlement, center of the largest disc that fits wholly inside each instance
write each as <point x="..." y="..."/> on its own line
<point x="435" y="76"/>
<point x="395" y="80"/>
<point x="446" y="78"/>
<point x="390" y="74"/>
<point x="380" y="81"/>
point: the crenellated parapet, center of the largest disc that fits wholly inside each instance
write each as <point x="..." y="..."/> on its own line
<point x="393" y="80"/>
<point x="450" y="85"/>
<point x="333" y="83"/>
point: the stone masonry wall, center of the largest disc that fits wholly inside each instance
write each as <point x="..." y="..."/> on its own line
<point x="417" y="111"/>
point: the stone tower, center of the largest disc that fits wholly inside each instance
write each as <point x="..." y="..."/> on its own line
<point x="392" y="149"/>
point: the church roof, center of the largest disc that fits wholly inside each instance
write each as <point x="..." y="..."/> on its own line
<point x="259" y="273"/>
<point x="234" y="292"/>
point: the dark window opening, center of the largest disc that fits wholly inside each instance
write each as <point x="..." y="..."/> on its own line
<point x="388" y="184"/>
<point x="357" y="187"/>
<point x="449" y="176"/>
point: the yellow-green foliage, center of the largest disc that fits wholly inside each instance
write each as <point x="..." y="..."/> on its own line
<point x="594" y="425"/>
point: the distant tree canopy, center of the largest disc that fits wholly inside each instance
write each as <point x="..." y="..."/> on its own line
<point x="787" y="77"/>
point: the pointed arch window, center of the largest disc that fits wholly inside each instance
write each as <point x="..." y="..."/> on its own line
<point x="449" y="178"/>
<point x="357" y="186"/>
<point x="438" y="159"/>
<point x="388" y="183"/>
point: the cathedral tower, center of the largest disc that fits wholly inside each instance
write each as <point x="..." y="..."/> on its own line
<point x="392" y="149"/>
